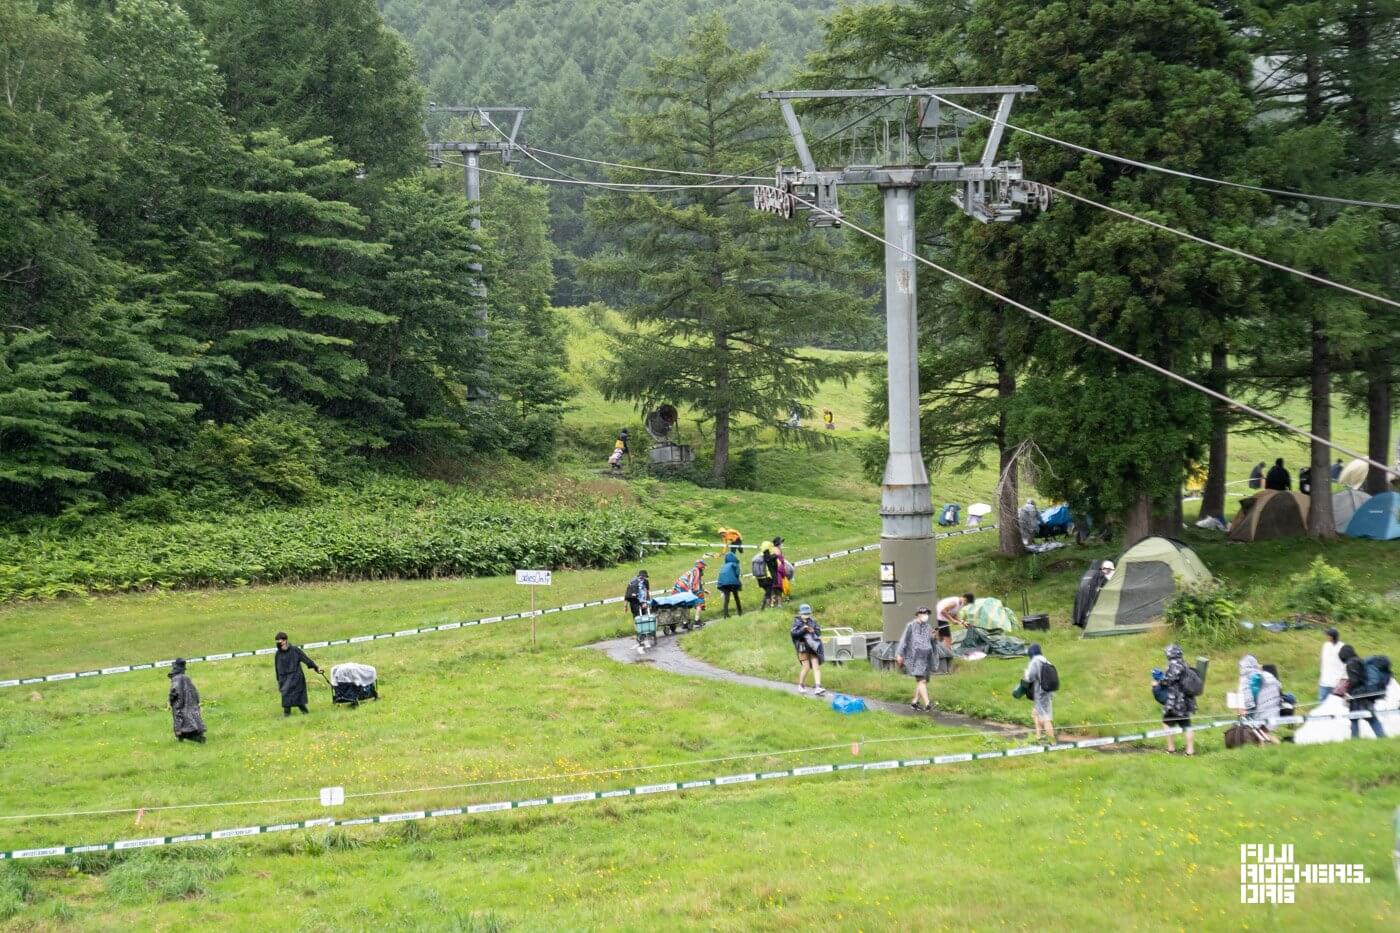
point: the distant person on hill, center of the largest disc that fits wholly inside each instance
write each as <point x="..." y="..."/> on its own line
<point x="1305" y="481"/>
<point x="915" y="655"/>
<point x="1178" y="702"/>
<point x="1337" y="470"/>
<point x="771" y="559"/>
<point x="184" y="705"/>
<point x="1278" y="478"/>
<point x="287" y="661"/>
<point x="1360" y="698"/>
<point x="948" y="611"/>
<point x="1332" y="670"/>
<point x="730" y="583"/>
<point x="637" y="595"/>
<point x="759" y="567"/>
<point x="807" y="639"/>
<point x="782" y="577"/>
<point x="1256" y="476"/>
<point x="828" y="419"/>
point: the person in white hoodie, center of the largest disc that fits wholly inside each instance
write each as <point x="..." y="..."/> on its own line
<point x="1333" y="670"/>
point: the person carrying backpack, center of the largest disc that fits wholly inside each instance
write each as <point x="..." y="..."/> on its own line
<point x="761" y="576"/>
<point x="1261" y="698"/>
<point x="729" y="582"/>
<point x="1040" y="681"/>
<point x="807" y="639"/>
<point x="1365" y="683"/>
<point x="637" y="594"/>
<point x="1177" y="691"/>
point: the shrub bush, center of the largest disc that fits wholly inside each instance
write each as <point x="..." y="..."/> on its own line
<point x="1325" y="594"/>
<point x="387" y="527"/>
<point x="1207" y="614"/>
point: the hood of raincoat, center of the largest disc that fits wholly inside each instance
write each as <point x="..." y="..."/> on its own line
<point x="1174" y="653"/>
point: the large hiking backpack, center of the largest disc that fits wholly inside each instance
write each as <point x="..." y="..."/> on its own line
<point x="1191" y="683"/>
<point x="634" y="589"/>
<point x="1377" y="675"/>
<point x="759" y="567"/>
<point x="1049" y="677"/>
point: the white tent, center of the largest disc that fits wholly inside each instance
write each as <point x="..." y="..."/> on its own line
<point x="1345" y="502"/>
<point x="1354" y="473"/>
<point x="1316" y="730"/>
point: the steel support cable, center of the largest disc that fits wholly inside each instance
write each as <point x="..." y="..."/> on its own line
<point x="1351" y="202"/>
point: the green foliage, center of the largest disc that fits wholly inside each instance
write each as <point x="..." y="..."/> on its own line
<point x="15" y="889"/>
<point x="1206" y="614"/>
<point x="384" y="528"/>
<point x="719" y="297"/>
<point x="154" y="875"/>
<point x="272" y="453"/>
<point x="1326" y="594"/>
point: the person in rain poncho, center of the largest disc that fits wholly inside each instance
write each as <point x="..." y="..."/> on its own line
<point x="915" y="655"/>
<point x="287" y="661"/>
<point x="730" y="582"/>
<point x="1178" y="705"/>
<point x="1043" y="710"/>
<point x="807" y="639"/>
<point x="185" y="714"/>
<point x="1260" y="696"/>
<point x="1028" y="521"/>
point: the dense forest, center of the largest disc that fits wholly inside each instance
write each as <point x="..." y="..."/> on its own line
<point x="572" y="64"/>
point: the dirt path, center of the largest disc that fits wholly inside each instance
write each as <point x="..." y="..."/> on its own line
<point x="668" y="655"/>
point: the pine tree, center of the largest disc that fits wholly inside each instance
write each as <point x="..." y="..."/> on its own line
<point x="719" y="297"/>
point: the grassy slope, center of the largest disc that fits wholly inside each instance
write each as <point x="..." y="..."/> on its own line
<point x="1144" y="839"/>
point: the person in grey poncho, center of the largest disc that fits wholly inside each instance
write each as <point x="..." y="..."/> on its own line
<point x="1260" y="696"/>
<point x="915" y="655"/>
<point x="1177" y="705"/>
<point x="184" y="705"/>
<point x="1043" y="711"/>
<point x="287" y="661"/>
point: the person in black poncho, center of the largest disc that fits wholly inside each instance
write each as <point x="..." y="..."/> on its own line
<point x="185" y="713"/>
<point x="291" y="682"/>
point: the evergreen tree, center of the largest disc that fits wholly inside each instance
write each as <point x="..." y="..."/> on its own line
<point x="719" y="297"/>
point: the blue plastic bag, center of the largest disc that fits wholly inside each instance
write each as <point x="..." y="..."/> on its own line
<point x="845" y="704"/>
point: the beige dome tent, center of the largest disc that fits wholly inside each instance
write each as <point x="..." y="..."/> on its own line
<point x="1345" y="502"/>
<point x="1146" y="577"/>
<point x="1270" y="514"/>
<point x="1354" y="473"/>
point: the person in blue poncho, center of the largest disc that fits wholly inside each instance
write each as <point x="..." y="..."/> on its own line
<point x="730" y="583"/>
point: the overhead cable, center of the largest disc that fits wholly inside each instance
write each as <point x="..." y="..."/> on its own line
<point x="1281" y="192"/>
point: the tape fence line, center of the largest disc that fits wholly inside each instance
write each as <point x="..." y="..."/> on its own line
<point x="642" y="790"/>
<point x="406" y="633"/>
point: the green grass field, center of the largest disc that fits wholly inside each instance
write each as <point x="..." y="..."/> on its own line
<point x="1130" y="839"/>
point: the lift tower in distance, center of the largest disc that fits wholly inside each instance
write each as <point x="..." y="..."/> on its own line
<point x="472" y="150"/>
<point x="985" y="189"/>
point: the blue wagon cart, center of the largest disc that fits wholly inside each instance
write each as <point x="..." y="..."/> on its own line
<point x="646" y="631"/>
<point x="676" y="611"/>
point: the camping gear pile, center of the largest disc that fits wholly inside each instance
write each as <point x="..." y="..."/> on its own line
<point x="948" y="515"/>
<point x="352" y="683"/>
<point x="1144" y="580"/>
<point x="973" y="643"/>
<point x="675" y="611"/>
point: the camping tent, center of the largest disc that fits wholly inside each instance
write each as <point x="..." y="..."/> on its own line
<point x="989" y="613"/>
<point x="1271" y="514"/>
<point x="1145" y="578"/>
<point x="1354" y="473"/>
<point x="1378" y="518"/>
<point x="1345" y="502"/>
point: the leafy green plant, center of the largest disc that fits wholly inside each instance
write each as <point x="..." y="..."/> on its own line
<point x="1325" y="593"/>
<point x="1207" y="614"/>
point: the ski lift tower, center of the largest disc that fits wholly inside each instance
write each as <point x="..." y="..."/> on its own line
<point x="472" y="150"/>
<point x="986" y="189"/>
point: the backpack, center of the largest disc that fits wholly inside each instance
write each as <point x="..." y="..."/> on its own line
<point x="760" y="567"/>
<point x="1377" y="675"/>
<point x="1191" y="683"/>
<point x="1049" y="677"/>
<point x="633" y="590"/>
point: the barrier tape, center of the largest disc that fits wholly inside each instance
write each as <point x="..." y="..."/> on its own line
<point x="405" y="633"/>
<point x="641" y="790"/>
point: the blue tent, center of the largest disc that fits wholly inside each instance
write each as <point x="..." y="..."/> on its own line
<point x="1055" y="520"/>
<point x="1378" y="517"/>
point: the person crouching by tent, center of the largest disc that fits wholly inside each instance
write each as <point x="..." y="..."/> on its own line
<point x="915" y="655"/>
<point x="1260" y="697"/>
<point x="287" y="661"/>
<point x="730" y="582"/>
<point x="1042" y="695"/>
<point x="807" y="639"/>
<point x="693" y="581"/>
<point x="1178" y="703"/>
<point x="185" y="713"/>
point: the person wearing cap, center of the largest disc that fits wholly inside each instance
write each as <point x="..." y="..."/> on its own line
<point x="637" y="595"/>
<point x="915" y="655"/>
<point x="1333" y="670"/>
<point x="1107" y="569"/>
<point x="1043" y="710"/>
<point x="185" y="713"/>
<point x="287" y="661"/>
<point x="807" y="639"/>
<point x="693" y="581"/>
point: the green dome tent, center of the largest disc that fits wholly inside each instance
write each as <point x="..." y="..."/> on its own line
<point x="990" y="614"/>
<point x="1144" y="579"/>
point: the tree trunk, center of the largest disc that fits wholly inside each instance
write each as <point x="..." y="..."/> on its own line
<point x="1137" y="522"/>
<point x="721" y="446"/>
<point x="1167" y="518"/>
<point x="1217" y="468"/>
<point x="1008" y="532"/>
<point x="1379" y="404"/>
<point x="1320" y="523"/>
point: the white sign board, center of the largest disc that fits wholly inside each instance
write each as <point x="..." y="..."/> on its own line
<point x="332" y="796"/>
<point x="534" y="577"/>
